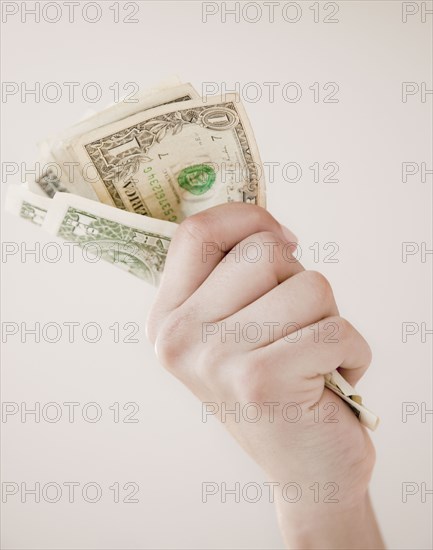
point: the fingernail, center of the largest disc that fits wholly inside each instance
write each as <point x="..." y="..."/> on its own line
<point x="288" y="235"/>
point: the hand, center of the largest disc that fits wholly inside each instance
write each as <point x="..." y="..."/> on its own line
<point x="286" y="334"/>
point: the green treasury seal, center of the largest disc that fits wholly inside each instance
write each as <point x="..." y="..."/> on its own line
<point x="197" y="179"/>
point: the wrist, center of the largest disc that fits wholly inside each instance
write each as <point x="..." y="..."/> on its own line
<point x="345" y="525"/>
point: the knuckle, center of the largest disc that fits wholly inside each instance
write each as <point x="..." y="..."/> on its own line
<point x="368" y="354"/>
<point x="196" y="227"/>
<point x="208" y="363"/>
<point x="251" y="381"/>
<point x="166" y="349"/>
<point x="260" y="216"/>
<point x="320" y="284"/>
<point x="151" y="326"/>
<point x="349" y="336"/>
<point x="345" y="329"/>
<point x="264" y="238"/>
<point x="263" y="247"/>
<point x="171" y="342"/>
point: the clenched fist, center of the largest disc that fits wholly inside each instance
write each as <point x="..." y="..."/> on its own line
<point x="241" y="323"/>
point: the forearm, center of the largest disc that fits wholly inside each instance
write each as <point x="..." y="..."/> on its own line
<point x="330" y="526"/>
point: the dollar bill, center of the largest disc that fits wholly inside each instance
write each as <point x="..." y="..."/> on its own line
<point x="155" y="163"/>
<point x="137" y="244"/>
<point x="62" y="172"/>
<point x="50" y="179"/>
<point x="335" y="382"/>
<point x="27" y="204"/>
<point x="134" y="243"/>
<point x="176" y="160"/>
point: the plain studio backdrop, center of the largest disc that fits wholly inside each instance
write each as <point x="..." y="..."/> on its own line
<point x="338" y="96"/>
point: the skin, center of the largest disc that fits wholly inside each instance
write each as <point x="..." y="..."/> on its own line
<point x="204" y="291"/>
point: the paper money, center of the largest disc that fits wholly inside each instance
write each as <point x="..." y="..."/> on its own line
<point x="176" y="160"/>
<point x="168" y="91"/>
<point x="155" y="163"/>
<point x="22" y="202"/>
<point x="135" y="243"/>
<point x="335" y="382"/>
<point x="62" y="170"/>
